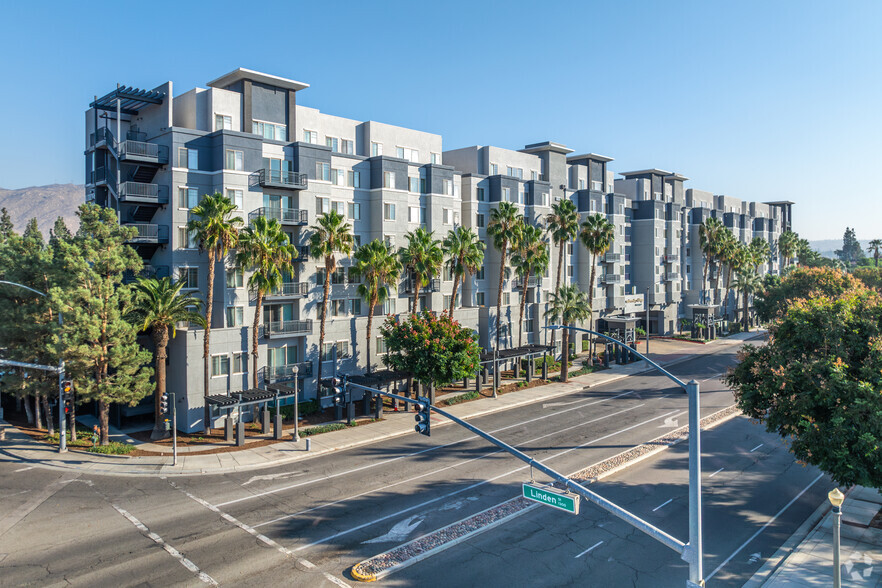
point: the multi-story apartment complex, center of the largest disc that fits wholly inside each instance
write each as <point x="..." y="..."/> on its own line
<point x="151" y="155"/>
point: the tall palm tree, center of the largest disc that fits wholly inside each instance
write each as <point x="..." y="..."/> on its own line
<point x="530" y="257"/>
<point x="465" y="253"/>
<point x="331" y="235"/>
<point x="158" y="305"/>
<point x="788" y="245"/>
<point x="597" y="236"/>
<point x="727" y="250"/>
<point x="563" y="226"/>
<point x="423" y="257"/>
<point x="216" y="230"/>
<point x="709" y="240"/>
<point x="567" y="306"/>
<point x="875" y="246"/>
<point x="503" y="228"/>
<point x="379" y="268"/>
<point x="266" y="250"/>
<point x="748" y="282"/>
<point x="759" y="251"/>
<point x="737" y="258"/>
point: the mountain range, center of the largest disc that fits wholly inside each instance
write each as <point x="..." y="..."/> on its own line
<point x="45" y="203"/>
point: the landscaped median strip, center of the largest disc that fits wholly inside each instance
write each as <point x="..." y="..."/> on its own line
<point x="409" y="553"/>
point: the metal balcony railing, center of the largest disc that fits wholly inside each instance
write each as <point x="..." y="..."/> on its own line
<point x="302" y="254"/>
<point x="671" y="258"/>
<point x="290" y="290"/>
<point x="532" y="282"/>
<point x="275" y="178"/>
<point x="672" y="276"/>
<point x="285" y="216"/>
<point x="613" y="278"/>
<point x="288" y="328"/>
<point x="612" y="257"/>
<point x="434" y="285"/>
<point x="279" y="373"/>
<point x="140" y="192"/>
<point x="102" y="135"/>
<point x="149" y="271"/>
<point x="148" y="233"/>
<point x="102" y="176"/>
<point x="143" y="152"/>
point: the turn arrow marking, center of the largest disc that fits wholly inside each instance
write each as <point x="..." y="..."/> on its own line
<point x="400" y="531"/>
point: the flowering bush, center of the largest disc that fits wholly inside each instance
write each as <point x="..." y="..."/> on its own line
<point x="436" y="350"/>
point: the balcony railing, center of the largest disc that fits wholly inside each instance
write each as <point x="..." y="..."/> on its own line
<point x="612" y="257"/>
<point x="142" y="152"/>
<point x="285" y="216"/>
<point x="140" y="192"/>
<point x="302" y="254"/>
<point x="532" y="282"/>
<point x="288" y="328"/>
<point x="672" y="276"/>
<point x="290" y="290"/>
<point x="148" y="233"/>
<point x="613" y="278"/>
<point x="671" y="258"/>
<point x="434" y="285"/>
<point x="280" y="373"/>
<point x="102" y="135"/>
<point x="102" y="176"/>
<point x="274" y="178"/>
<point x="149" y="271"/>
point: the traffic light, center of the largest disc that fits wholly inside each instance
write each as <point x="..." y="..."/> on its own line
<point x="163" y="403"/>
<point x="336" y="386"/>
<point x="67" y="395"/>
<point x="423" y="418"/>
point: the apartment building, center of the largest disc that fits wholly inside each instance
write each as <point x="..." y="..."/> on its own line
<point x="151" y="154"/>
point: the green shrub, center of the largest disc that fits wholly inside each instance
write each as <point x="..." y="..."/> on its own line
<point x="318" y="429"/>
<point x="473" y="395"/>
<point x="113" y="448"/>
<point x="304" y="408"/>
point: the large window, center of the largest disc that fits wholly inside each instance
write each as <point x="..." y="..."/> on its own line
<point x="506" y="194"/>
<point x="355" y="211"/>
<point x="323" y="171"/>
<point x="310" y="136"/>
<point x="515" y="172"/>
<point x="220" y="365"/>
<point x="235" y="316"/>
<point x="188" y="197"/>
<point x="413" y="213"/>
<point x="388" y="179"/>
<point x="389" y="212"/>
<point x="235" y="160"/>
<point x="407" y="153"/>
<point x="413" y="184"/>
<point x="354" y="179"/>
<point x="223" y="122"/>
<point x="190" y="276"/>
<point x="376" y="149"/>
<point x="235" y="197"/>
<point x="347" y="146"/>
<point x="240" y="363"/>
<point x="323" y="205"/>
<point x="338" y="307"/>
<point x="271" y="131"/>
<point x="480" y="194"/>
<point x="479" y="298"/>
<point x="188" y="158"/>
<point x="333" y="143"/>
<point x="355" y="306"/>
<point x="235" y="277"/>
<point x="187" y="239"/>
<point x="479" y="220"/>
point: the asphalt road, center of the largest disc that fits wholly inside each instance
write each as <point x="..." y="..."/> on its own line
<point x="307" y="523"/>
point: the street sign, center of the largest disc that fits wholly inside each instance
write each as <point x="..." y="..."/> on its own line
<point x="634" y="303"/>
<point x="552" y="497"/>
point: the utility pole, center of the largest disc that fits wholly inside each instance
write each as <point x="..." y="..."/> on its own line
<point x="647" y="320"/>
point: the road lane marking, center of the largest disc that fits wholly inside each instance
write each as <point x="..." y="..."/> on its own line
<point x="663" y="504"/>
<point x="415" y="453"/>
<point x="432" y="472"/>
<point x="23" y="469"/>
<point x="757" y="447"/>
<point x="716" y="472"/>
<point x="261" y="537"/>
<point x="38" y="497"/>
<point x="763" y="528"/>
<point x="713" y="377"/>
<point x="168" y="548"/>
<point x="589" y="549"/>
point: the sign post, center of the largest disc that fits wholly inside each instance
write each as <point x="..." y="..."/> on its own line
<point x="552" y="497"/>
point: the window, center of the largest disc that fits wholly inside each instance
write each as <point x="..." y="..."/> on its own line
<point x="235" y="277"/>
<point x="271" y="131"/>
<point x="480" y="221"/>
<point x="436" y="159"/>
<point x="447" y="301"/>
<point x="235" y="160"/>
<point x="424" y="187"/>
<point x="343" y="350"/>
<point x="381" y="345"/>
<point x="332" y="142"/>
<point x="479" y="298"/>
<point x="353" y="276"/>
<point x="223" y="122"/>
<point x="506" y="298"/>
<point x="240" y="363"/>
<point x="337" y="177"/>
<point x="389" y="306"/>
<point x="348" y="147"/>
<point x="354" y="179"/>
<point x="480" y="194"/>
<point x="310" y="136"/>
<point x="446" y="274"/>
<point x="447" y="187"/>
<point x="515" y="172"/>
<point x="355" y="306"/>
<point x="422" y="215"/>
<point x="187" y="239"/>
<point x="188" y="197"/>
<point x="479" y="275"/>
<point x="338" y="307"/>
<point x="323" y="205"/>
<point x="447" y="216"/>
<point x="388" y="179"/>
<point x="188" y="158"/>
<point x="190" y="276"/>
<point x="339" y="276"/>
<point x="327" y="353"/>
<point x="376" y="149"/>
<point x="506" y="194"/>
<point x="357" y="239"/>
<point x="339" y="207"/>
<point x="220" y="365"/>
<point x="494" y="169"/>
<point x="389" y="240"/>
<point x="235" y="316"/>
<point x="413" y="214"/>
<point x="522" y="197"/>
<point x="413" y="184"/>
<point x="235" y="197"/>
<point x="581" y="184"/>
<point x="534" y="175"/>
<point x="323" y="171"/>
<point x="407" y="153"/>
<point x="355" y="210"/>
<point x="389" y="212"/>
<point x="570" y="271"/>
<point x="529" y="325"/>
<point x="598" y="186"/>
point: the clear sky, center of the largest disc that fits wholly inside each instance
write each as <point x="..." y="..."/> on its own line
<point x="758" y="100"/>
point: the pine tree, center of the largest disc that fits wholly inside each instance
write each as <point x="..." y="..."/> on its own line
<point x="6" y="226"/>
<point x="98" y="342"/>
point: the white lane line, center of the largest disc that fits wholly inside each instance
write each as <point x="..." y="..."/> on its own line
<point x="168" y="548"/>
<point x="589" y="549"/>
<point x="434" y="448"/>
<point x="713" y="377"/>
<point x="251" y="531"/>
<point x="476" y="485"/>
<point x="455" y="465"/>
<point x="23" y="469"/>
<point x="757" y="447"/>
<point x="663" y="504"/>
<point x="763" y="528"/>
<point x="716" y="472"/>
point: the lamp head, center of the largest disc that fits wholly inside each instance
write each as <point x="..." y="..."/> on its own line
<point x="836" y="497"/>
<point x="295" y="369"/>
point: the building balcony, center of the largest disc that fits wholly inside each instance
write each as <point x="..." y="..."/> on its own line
<point x="285" y="216"/>
<point x="532" y="282"/>
<point x="612" y="258"/>
<point x="149" y="271"/>
<point x="434" y="285"/>
<point x="148" y="234"/>
<point x="281" y="373"/>
<point x="612" y="278"/>
<point x="671" y="258"/>
<point x="672" y="251"/>
<point x="302" y="254"/>
<point x="102" y="138"/>
<point x="672" y="276"/>
<point x="289" y="290"/>
<point x="279" y="329"/>
<point x="285" y="180"/>
<point x="141" y="152"/>
<point x="140" y="193"/>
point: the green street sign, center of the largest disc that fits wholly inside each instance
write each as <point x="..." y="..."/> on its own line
<point x="552" y="497"/>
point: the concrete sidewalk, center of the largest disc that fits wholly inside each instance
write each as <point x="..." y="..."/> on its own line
<point x="21" y="446"/>
<point x="809" y="562"/>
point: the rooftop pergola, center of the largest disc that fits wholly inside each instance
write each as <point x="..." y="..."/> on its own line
<point x="131" y="100"/>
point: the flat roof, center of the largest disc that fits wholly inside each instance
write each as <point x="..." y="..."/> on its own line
<point x="780" y="202"/>
<point x="256" y="76"/>
<point x="594" y="156"/>
<point x="676" y="176"/>
<point x="546" y="146"/>
<point x="643" y="172"/>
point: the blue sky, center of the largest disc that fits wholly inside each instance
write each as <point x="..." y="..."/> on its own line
<point x="758" y="100"/>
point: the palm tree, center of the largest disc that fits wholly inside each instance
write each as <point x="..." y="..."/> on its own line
<point x="567" y="306"/>
<point x="597" y="236"/>
<point x="422" y="257"/>
<point x="465" y="253"/>
<point x="379" y="268"/>
<point x="788" y="246"/>
<point x="331" y="235"/>
<point x="159" y="306"/>
<point x="759" y="251"/>
<point x="875" y="246"/>
<point x="563" y="225"/>
<point x="503" y="228"/>
<point x="727" y="249"/>
<point x="216" y="230"/>
<point x="709" y="240"/>
<point x="748" y="282"/>
<point x="737" y="258"/>
<point x="530" y="257"/>
<point x="265" y="249"/>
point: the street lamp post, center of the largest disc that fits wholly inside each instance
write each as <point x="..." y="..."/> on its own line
<point x="62" y="421"/>
<point x="836" y="498"/>
<point x="647" y="320"/>
<point x="296" y="370"/>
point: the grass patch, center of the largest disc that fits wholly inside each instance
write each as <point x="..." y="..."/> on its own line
<point x="473" y="395"/>
<point x="113" y="448"/>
